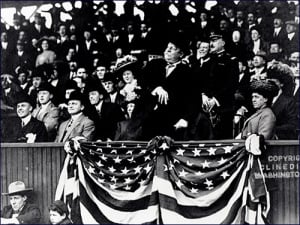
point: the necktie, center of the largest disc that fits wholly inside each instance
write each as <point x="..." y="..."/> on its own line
<point x="23" y="123"/>
<point x="66" y="130"/>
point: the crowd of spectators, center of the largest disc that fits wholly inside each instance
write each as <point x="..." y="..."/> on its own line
<point x="119" y="77"/>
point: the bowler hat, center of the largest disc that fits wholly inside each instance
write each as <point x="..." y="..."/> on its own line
<point x="291" y="22"/>
<point x="71" y="84"/>
<point x="24" y="98"/>
<point x="180" y="40"/>
<point x="60" y="206"/>
<point x="95" y="86"/>
<point x="76" y="95"/>
<point x="46" y="87"/>
<point x="17" y="188"/>
<point x="110" y="77"/>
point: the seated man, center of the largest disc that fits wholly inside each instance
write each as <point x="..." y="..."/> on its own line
<point x="47" y="112"/>
<point x="28" y="129"/>
<point x="19" y="211"/>
<point x="78" y="124"/>
<point x="59" y="213"/>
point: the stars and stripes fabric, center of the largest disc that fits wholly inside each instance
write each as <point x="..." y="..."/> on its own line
<point x="162" y="182"/>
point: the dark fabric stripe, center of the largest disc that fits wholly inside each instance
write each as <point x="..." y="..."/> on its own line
<point x="94" y="210"/>
<point x="130" y="205"/>
<point x="252" y="205"/>
<point x="198" y="212"/>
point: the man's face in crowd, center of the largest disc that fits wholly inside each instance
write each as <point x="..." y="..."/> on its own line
<point x="23" y="109"/>
<point x="20" y="47"/>
<point x="22" y="77"/>
<point x="75" y="107"/>
<point x="290" y="28"/>
<point x="239" y="15"/>
<point x="250" y="18"/>
<point x="62" y="30"/>
<point x="44" y="97"/>
<point x="87" y="35"/>
<point x="109" y="87"/>
<point x="55" y="217"/>
<point x="17" y="201"/>
<point x="36" y="81"/>
<point x="203" y="16"/>
<point x="100" y="71"/>
<point x="81" y="72"/>
<point x="223" y="25"/>
<point x="255" y="35"/>
<point x="236" y="36"/>
<point x="143" y="27"/>
<point x="258" y="61"/>
<point x="277" y="22"/>
<point x="294" y="57"/>
<point x="216" y="45"/>
<point x="4" y="37"/>
<point x="274" y="48"/>
<point x="95" y="97"/>
<point x="172" y="53"/>
<point x="203" y="49"/>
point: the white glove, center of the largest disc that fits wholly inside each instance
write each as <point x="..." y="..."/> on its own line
<point x="30" y="137"/>
<point x="181" y="124"/>
<point x="252" y="144"/>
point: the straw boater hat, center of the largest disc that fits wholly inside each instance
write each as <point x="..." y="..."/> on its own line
<point x="17" y="188"/>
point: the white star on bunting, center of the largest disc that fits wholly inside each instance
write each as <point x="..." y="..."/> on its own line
<point x="179" y="184"/>
<point x="137" y="170"/>
<point x="112" y="169"/>
<point x="225" y="174"/>
<point x="148" y="168"/>
<point x="212" y="151"/>
<point x="164" y="146"/>
<point x="228" y="149"/>
<point x="194" y="190"/>
<point x="180" y="151"/>
<point x="205" y="164"/>
<point x="221" y="161"/>
<point x="125" y="170"/>
<point x="117" y="159"/>
<point x="103" y="157"/>
<point x="182" y="173"/>
<point x="208" y="182"/>
<point x="128" y="180"/>
<point x="99" y="163"/>
<point x="196" y="152"/>
<point x="91" y="169"/>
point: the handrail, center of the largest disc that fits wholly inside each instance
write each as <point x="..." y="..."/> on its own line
<point x="54" y="144"/>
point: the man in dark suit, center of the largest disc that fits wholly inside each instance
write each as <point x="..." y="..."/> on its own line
<point x="292" y="41"/>
<point x="19" y="211"/>
<point x="168" y="82"/>
<point x="220" y="86"/>
<point x="106" y="115"/>
<point x="28" y="129"/>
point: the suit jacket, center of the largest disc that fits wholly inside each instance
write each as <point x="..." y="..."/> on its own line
<point x="262" y="122"/>
<point x="286" y="117"/>
<point x="49" y="117"/>
<point x="34" y="126"/>
<point x="30" y="214"/>
<point x="83" y="126"/>
<point x="26" y="60"/>
<point x="178" y="85"/>
<point x="263" y="46"/>
<point x="106" y="122"/>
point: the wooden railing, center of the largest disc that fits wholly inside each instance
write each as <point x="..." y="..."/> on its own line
<point x="39" y="166"/>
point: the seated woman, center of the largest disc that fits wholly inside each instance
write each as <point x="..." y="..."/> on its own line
<point x="263" y="121"/>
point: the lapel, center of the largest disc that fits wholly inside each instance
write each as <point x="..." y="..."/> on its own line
<point x="74" y="124"/>
<point x="42" y="116"/>
<point x="252" y="116"/>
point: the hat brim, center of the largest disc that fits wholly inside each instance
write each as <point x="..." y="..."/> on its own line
<point x="18" y="192"/>
<point x="127" y="66"/>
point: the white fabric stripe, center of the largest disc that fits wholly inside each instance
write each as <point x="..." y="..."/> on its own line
<point x="86" y="216"/>
<point x="238" y="217"/>
<point x="166" y="188"/>
<point x="250" y="216"/>
<point x="62" y="179"/>
<point x="170" y="217"/>
<point x="124" y="195"/>
<point x="116" y="216"/>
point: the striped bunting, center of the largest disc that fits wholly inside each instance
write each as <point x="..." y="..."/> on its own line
<point x="162" y="182"/>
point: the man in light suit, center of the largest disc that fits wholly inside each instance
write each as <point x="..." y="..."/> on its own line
<point x="47" y="112"/>
<point x="78" y="124"/>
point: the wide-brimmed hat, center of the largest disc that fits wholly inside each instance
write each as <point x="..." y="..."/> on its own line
<point x="281" y="72"/>
<point x="51" y="42"/>
<point x="17" y="188"/>
<point x="266" y="88"/>
<point x="128" y="62"/>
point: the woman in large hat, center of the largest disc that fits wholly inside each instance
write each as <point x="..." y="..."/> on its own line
<point x="263" y="121"/>
<point x="47" y="56"/>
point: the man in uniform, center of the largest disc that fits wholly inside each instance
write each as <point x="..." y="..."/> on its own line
<point x="219" y="88"/>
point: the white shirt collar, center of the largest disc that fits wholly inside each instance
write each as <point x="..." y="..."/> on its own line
<point x="75" y="117"/>
<point x="291" y="35"/>
<point x="45" y="105"/>
<point x="99" y="106"/>
<point x="113" y="97"/>
<point x="26" y="119"/>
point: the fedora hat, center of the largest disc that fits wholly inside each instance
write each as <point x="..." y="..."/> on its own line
<point x="17" y="188"/>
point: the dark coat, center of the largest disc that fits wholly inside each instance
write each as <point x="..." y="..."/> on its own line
<point x="178" y="85"/>
<point x="106" y="122"/>
<point x="34" y="126"/>
<point x="286" y="117"/>
<point x="30" y="214"/>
